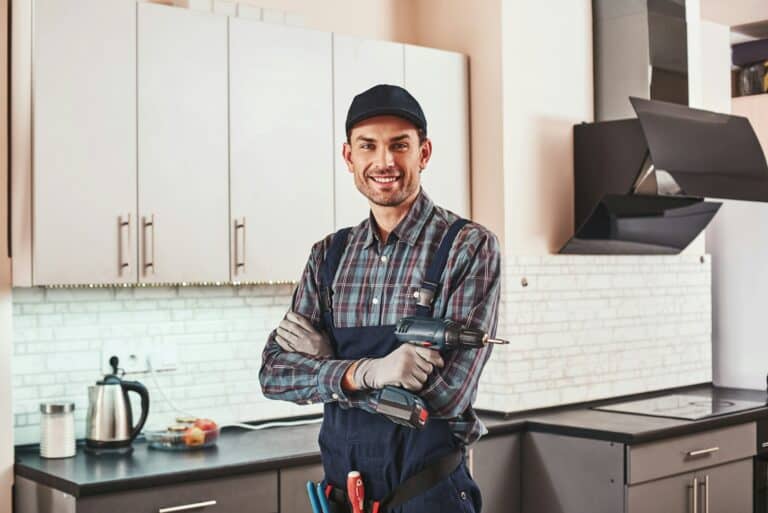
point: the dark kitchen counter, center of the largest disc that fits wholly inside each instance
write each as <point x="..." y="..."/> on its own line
<point x="582" y="421"/>
<point x="241" y="451"/>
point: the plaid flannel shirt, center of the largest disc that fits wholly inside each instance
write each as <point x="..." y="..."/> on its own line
<point x="376" y="284"/>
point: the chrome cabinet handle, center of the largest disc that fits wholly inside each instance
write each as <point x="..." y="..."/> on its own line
<point x="149" y="262"/>
<point x="123" y="227"/>
<point x="187" y="507"/>
<point x="695" y="495"/>
<point x="703" y="451"/>
<point x="764" y="445"/>
<point x="705" y="484"/>
<point x="239" y="246"/>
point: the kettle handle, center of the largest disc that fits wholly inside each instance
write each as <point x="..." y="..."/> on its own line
<point x="135" y="386"/>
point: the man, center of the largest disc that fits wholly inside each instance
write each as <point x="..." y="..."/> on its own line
<point x="337" y="344"/>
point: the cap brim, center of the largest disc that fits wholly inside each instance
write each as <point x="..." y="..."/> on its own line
<point x="386" y="111"/>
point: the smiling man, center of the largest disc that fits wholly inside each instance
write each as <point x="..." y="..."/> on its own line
<point x="337" y="345"/>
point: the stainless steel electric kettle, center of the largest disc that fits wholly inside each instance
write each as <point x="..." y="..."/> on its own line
<point x="110" y="426"/>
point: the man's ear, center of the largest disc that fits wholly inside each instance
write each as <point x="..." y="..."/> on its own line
<point x="346" y="153"/>
<point x="425" y="153"/>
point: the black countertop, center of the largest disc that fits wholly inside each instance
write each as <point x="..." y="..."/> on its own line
<point x="243" y="451"/>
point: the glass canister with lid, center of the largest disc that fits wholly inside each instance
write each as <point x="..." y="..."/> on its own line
<point x="57" y="429"/>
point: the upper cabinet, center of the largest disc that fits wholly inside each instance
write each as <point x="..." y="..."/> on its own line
<point x="183" y="149"/>
<point x="153" y="144"/>
<point x="358" y="64"/>
<point x="281" y="126"/>
<point x="439" y="81"/>
<point x="84" y="151"/>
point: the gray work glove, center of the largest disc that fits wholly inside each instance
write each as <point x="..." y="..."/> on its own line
<point x="296" y="334"/>
<point x="408" y="367"/>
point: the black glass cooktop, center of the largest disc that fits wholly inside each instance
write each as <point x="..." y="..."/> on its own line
<point x="679" y="406"/>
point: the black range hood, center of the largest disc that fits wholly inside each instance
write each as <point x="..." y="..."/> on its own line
<point x="640" y="183"/>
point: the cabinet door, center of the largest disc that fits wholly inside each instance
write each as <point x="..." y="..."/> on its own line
<point x="439" y="81"/>
<point x="183" y="145"/>
<point x="671" y="495"/>
<point x="281" y="148"/>
<point x="251" y="493"/>
<point x="358" y="64"/>
<point x="726" y="488"/>
<point x="496" y="469"/>
<point x="293" y="482"/>
<point x="84" y="134"/>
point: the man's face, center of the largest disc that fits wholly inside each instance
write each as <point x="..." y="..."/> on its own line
<point x="386" y="159"/>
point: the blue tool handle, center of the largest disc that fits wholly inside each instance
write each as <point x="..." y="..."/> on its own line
<point x="313" y="500"/>
<point x="322" y="499"/>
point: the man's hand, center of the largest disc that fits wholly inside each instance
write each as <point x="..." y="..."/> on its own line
<point x="408" y="367"/>
<point x="296" y="334"/>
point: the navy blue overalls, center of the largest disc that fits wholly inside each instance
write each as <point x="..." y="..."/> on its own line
<point x="385" y="453"/>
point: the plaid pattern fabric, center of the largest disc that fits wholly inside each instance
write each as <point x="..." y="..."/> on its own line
<point x="375" y="285"/>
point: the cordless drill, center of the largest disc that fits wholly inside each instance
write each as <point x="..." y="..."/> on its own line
<point x="406" y="408"/>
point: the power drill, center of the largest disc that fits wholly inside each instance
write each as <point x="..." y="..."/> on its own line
<point x="404" y="407"/>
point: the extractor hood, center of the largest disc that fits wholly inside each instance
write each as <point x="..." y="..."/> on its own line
<point x="640" y="183"/>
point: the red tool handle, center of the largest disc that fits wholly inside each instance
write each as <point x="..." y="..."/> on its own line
<point x="355" y="491"/>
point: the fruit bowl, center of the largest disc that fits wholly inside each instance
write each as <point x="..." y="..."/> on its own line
<point x="200" y="434"/>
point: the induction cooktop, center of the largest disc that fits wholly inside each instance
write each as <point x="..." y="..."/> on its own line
<point x="680" y="406"/>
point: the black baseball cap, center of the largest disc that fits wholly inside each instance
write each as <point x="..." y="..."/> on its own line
<point x="385" y="100"/>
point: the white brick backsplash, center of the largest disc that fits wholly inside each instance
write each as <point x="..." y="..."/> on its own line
<point x="591" y="327"/>
<point x="585" y="327"/>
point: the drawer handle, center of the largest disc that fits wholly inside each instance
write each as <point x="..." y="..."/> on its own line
<point x="765" y="445"/>
<point x="703" y="452"/>
<point x="187" y="507"/>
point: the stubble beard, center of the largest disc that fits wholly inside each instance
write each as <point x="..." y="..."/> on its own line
<point x="386" y="200"/>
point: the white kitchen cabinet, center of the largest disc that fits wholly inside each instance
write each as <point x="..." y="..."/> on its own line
<point x="281" y="126"/>
<point x="84" y="143"/>
<point x="182" y="145"/>
<point x="358" y="64"/>
<point x="439" y="81"/>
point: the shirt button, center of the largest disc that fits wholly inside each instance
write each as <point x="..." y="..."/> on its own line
<point x="335" y="396"/>
<point x="384" y="258"/>
<point x="463" y="495"/>
<point x="375" y="301"/>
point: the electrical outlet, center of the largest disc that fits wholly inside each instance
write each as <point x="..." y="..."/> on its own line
<point x="132" y="357"/>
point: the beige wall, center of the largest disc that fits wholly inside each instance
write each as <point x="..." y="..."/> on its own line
<point x="547" y="88"/>
<point x="734" y="12"/>
<point x="6" y="407"/>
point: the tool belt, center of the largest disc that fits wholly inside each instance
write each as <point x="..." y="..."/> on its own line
<point x="412" y="487"/>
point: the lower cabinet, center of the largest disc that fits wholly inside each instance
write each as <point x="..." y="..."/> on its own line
<point x="293" y="487"/>
<point x="495" y="467"/>
<point x="254" y="493"/>
<point x="721" y="489"/>
<point x="705" y="472"/>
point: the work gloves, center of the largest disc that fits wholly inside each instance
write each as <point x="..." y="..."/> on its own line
<point x="408" y="367"/>
<point x="296" y="334"/>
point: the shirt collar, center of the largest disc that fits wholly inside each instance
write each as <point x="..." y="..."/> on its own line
<point x="409" y="228"/>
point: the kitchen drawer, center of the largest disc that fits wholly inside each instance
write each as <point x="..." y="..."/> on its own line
<point x="654" y="460"/>
<point x="255" y="493"/>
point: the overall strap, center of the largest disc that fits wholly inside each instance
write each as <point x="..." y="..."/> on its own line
<point x="431" y="282"/>
<point x="328" y="272"/>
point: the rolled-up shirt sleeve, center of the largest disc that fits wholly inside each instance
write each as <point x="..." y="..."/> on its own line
<point x="471" y="299"/>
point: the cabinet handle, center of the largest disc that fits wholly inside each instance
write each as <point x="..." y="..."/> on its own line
<point x="239" y="246"/>
<point x="186" y="507"/>
<point x="695" y="495"/>
<point x="123" y="227"/>
<point x="705" y="484"/>
<point x="149" y="262"/>
<point x="703" y="451"/>
<point x="764" y="445"/>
